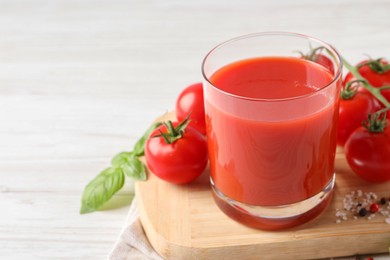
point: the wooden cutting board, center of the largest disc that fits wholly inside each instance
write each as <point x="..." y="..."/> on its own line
<point x="183" y="222"/>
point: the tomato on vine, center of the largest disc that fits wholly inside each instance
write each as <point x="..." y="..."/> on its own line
<point x="176" y="152"/>
<point x="354" y="108"/>
<point x="368" y="149"/>
<point x="376" y="72"/>
<point x="316" y="56"/>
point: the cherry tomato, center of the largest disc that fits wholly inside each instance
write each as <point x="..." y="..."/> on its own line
<point x="315" y="56"/>
<point x="178" y="162"/>
<point x="190" y="101"/>
<point x="352" y="112"/>
<point x="368" y="154"/>
<point x="376" y="79"/>
<point x="325" y="62"/>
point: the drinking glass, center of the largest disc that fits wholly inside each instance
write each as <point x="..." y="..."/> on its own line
<point x="272" y="147"/>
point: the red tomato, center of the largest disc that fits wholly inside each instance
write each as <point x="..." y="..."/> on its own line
<point x="376" y="79"/>
<point x="352" y="112"/>
<point x="180" y="162"/>
<point x="190" y="101"/>
<point x="324" y="61"/>
<point x="368" y="154"/>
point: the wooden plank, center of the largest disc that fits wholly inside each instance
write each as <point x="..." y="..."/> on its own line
<point x="183" y="222"/>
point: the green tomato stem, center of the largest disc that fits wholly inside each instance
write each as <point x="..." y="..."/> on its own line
<point x="350" y="89"/>
<point x="377" y="121"/>
<point x="384" y="87"/>
<point x="376" y="65"/>
<point x="376" y="92"/>
<point x="173" y="133"/>
<point x="383" y="110"/>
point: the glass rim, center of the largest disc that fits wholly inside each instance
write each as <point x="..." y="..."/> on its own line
<point x="335" y="77"/>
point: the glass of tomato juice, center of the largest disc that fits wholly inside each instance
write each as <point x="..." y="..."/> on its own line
<point x="271" y="119"/>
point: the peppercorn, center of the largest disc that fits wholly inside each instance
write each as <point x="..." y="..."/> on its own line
<point x="363" y="212"/>
<point x="374" y="208"/>
<point x="383" y="201"/>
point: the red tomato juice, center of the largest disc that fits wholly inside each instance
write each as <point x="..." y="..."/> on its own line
<point x="284" y="155"/>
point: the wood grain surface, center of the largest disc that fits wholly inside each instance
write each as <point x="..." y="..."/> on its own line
<point x="81" y="80"/>
<point x="183" y="222"/>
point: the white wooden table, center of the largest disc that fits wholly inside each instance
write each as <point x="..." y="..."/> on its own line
<point x="81" y="80"/>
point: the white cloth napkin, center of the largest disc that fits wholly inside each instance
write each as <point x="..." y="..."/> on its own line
<point x="133" y="243"/>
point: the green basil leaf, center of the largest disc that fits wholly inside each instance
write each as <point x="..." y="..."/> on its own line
<point x="101" y="189"/>
<point x="140" y="144"/>
<point x="130" y="165"/>
<point x="121" y="159"/>
<point x="134" y="169"/>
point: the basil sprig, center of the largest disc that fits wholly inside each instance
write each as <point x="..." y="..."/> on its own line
<point x="109" y="181"/>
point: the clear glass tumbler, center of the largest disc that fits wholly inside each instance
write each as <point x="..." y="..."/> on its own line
<point x="271" y="118"/>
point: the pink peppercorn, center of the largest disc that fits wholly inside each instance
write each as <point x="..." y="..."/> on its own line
<point x="374" y="207"/>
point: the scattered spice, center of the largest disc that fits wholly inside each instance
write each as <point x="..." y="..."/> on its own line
<point x="363" y="212"/>
<point x="374" y="208"/>
<point x="358" y="204"/>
